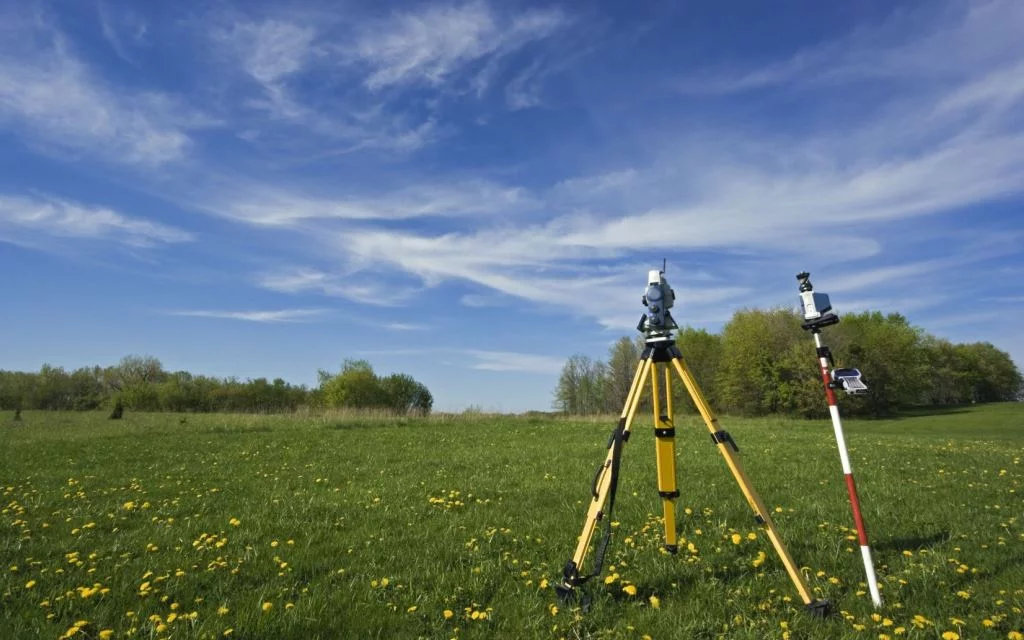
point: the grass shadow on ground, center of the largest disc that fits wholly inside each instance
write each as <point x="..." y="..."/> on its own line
<point x="913" y="542"/>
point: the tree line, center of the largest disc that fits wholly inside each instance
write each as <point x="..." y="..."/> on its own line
<point x="763" y="363"/>
<point x="140" y="383"/>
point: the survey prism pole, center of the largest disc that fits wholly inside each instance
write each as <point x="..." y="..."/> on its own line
<point x="844" y="457"/>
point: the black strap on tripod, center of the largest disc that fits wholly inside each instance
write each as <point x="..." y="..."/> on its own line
<point x="615" y="442"/>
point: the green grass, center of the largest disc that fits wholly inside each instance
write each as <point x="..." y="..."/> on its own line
<point x="480" y="515"/>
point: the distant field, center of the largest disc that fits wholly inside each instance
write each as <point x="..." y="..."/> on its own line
<point x="276" y="527"/>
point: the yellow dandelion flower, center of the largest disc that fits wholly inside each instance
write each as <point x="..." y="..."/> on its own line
<point x="222" y="610"/>
<point x="30" y="584"/>
<point x="751" y="536"/>
<point x="411" y="609"/>
<point x="160" y="628"/>
<point x="655" y="602"/>
<point x="950" y="635"/>
<point x="267" y="606"/>
<point x="736" y="538"/>
<point x="273" y="543"/>
<point x="988" y="624"/>
<point x="228" y="632"/>
<point x="384" y="582"/>
<point x="629" y="589"/>
<point x="1015" y="635"/>
<point x="448" y="613"/>
<point x="106" y="633"/>
<point x="171" y="618"/>
<point x="899" y="630"/>
<point x="884" y="636"/>
<point x="289" y="605"/>
<point x="234" y="522"/>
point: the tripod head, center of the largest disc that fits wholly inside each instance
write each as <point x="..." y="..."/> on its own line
<point x="657" y="323"/>
<point x="817" y="308"/>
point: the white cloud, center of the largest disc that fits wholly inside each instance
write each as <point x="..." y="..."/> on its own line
<point x="934" y="43"/>
<point x="121" y="25"/>
<point x="823" y="195"/>
<point x="519" y="362"/>
<point x="51" y="98"/>
<point x="272" y="50"/>
<point x="355" y="287"/>
<point x="282" y="315"/>
<point x="61" y="218"/>
<point x="405" y="326"/>
<point x="438" y="41"/>
<point x="264" y="205"/>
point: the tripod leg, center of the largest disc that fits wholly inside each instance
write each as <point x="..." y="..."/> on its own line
<point x="727" y="447"/>
<point x="604" y="485"/>
<point x="665" y="455"/>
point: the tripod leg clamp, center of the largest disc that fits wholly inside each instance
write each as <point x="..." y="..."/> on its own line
<point x="720" y="436"/>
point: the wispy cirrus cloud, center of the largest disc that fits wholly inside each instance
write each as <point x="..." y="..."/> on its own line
<point x="435" y="42"/>
<point x="122" y="28"/>
<point x="351" y="286"/>
<point x="514" y="361"/>
<point x="449" y="49"/>
<point x="483" y="359"/>
<point x="62" y="218"/>
<point x="276" y="316"/>
<point x="922" y="152"/>
<point x="269" y="205"/>
<point x="983" y="35"/>
<point x="58" y="103"/>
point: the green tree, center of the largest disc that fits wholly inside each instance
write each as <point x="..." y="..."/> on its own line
<point x="702" y="352"/>
<point x="988" y="374"/>
<point x="754" y="378"/>
<point x="356" y="386"/>
<point x="623" y="359"/>
<point x="404" y="395"/>
<point x="891" y="355"/>
<point x="581" y="385"/>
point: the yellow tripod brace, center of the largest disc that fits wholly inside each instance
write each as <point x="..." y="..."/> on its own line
<point x="659" y="358"/>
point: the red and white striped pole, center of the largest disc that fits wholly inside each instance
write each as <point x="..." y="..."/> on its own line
<point x="837" y="425"/>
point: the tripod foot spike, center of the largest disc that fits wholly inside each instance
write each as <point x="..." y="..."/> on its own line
<point x="820" y="609"/>
<point x="566" y="593"/>
<point x="569" y="595"/>
<point x="670" y="548"/>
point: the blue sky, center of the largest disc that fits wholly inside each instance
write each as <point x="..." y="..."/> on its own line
<point x="471" y="192"/>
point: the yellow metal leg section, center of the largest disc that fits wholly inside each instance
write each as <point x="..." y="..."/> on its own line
<point x="665" y="454"/>
<point x="727" y="447"/>
<point x="602" y="482"/>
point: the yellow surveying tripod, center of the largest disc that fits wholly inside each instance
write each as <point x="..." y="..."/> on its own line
<point x="659" y="358"/>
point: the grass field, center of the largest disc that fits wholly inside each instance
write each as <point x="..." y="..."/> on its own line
<point x="281" y="527"/>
